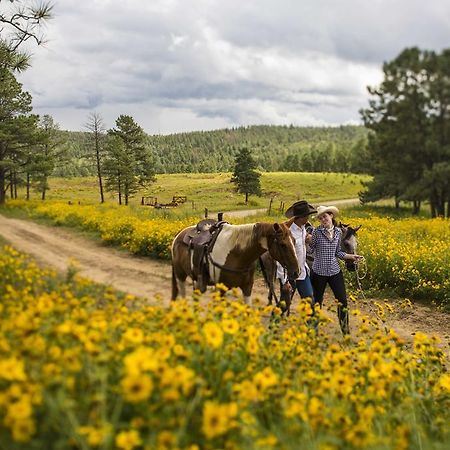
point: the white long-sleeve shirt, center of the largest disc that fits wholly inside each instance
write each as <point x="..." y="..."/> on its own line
<point x="299" y="234"/>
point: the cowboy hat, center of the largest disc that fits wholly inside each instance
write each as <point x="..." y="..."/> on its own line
<point x="327" y="209"/>
<point x="300" y="209"/>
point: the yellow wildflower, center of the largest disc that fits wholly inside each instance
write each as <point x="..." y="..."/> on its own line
<point x="137" y="388"/>
<point x="127" y="440"/>
<point x="218" y="418"/>
<point x="12" y="369"/>
<point x="213" y="334"/>
<point x="230" y="326"/>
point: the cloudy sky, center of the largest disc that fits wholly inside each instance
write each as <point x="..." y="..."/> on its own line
<point x="182" y="65"/>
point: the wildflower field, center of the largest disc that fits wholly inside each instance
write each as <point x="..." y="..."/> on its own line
<point x="408" y="256"/>
<point x="82" y="367"/>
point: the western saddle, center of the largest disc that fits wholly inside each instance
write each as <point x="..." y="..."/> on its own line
<point x="201" y="240"/>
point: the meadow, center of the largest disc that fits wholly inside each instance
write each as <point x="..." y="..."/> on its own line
<point x="83" y="367"/>
<point x="205" y="190"/>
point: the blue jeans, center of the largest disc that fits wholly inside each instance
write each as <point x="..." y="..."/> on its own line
<point x="304" y="288"/>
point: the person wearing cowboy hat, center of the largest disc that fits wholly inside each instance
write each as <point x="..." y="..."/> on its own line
<point x="325" y="245"/>
<point x="298" y="215"/>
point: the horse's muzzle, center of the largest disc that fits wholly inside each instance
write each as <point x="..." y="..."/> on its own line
<point x="293" y="276"/>
<point x="351" y="266"/>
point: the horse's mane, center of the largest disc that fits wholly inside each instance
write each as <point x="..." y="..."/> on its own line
<point x="240" y="235"/>
<point x="248" y="234"/>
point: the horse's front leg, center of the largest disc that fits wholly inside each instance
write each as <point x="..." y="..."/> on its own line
<point x="182" y="288"/>
<point x="247" y="293"/>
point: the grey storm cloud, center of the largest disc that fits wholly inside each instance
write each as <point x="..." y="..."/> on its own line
<point x="199" y="64"/>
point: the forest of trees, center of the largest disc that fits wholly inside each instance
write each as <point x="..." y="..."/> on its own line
<point x="274" y="148"/>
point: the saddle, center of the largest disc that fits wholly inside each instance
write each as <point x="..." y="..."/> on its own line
<point x="201" y="241"/>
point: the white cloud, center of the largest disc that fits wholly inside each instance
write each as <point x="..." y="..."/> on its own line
<point x="200" y="64"/>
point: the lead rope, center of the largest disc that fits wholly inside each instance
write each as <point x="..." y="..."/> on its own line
<point x="361" y="273"/>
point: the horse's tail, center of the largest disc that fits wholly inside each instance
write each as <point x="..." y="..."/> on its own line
<point x="174" y="285"/>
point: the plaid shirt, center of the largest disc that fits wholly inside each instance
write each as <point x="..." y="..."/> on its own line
<point x="326" y="251"/>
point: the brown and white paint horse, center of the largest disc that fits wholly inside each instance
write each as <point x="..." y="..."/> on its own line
<point x="232" y="260"/>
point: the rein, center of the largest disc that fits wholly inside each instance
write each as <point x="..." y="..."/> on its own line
<point x="361" y="273"/>
<point x="360" y="277"/>
<point x="222" y="267"/>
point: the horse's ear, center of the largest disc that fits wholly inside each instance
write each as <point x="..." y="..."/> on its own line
<point x="276" y="226"/>
<point x="357" y="228"/>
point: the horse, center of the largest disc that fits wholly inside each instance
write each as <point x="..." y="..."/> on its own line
<point x="232" y="255"/>
<point x="268" y="266"/>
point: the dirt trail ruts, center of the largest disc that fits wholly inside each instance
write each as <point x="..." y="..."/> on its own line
<point x="59" y="248"/>
<point x="146" y="277"/>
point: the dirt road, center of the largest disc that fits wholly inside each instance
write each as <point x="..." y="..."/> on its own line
<point x="59" y="248"/>
<point x="253" y="212"/>
<point x="145" y="277"/>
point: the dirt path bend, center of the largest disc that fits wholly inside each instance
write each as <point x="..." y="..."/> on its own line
<point x="146" y="277"/>
<point x="59" y="248"/>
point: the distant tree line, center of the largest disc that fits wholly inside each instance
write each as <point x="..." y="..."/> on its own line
<point x="274" y="148"/>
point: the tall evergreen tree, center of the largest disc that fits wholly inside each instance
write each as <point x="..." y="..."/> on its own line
<point x="244" y="175"/>
<point x="45" y="154"/>
<point x="19" y="23"/>
<point x="97" y="137"/>
<point x="129" y="163"/>
<point x="17" y="129"/>
<point x="409" y="115"/>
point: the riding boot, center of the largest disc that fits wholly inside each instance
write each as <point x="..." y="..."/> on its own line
<point x="343" y="319"/>
<point x="313" y="321"/>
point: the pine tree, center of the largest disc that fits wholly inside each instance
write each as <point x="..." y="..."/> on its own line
<point x="17" y="129"/>
<point x="409" y="149"/>
<point x="97" y="134"/>
<point x="129" y="163"/>
<point x="244" y="175"/>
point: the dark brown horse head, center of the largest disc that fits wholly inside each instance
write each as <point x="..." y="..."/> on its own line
<point x="349" y="243"/>
<point x="281" y="246"/>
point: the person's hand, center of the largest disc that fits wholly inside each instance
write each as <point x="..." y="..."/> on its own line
<point x="353" y="258"/>
<point x="308" y="238"/>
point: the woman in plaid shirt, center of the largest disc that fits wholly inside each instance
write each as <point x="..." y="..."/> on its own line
<point x="324" y="244"/>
